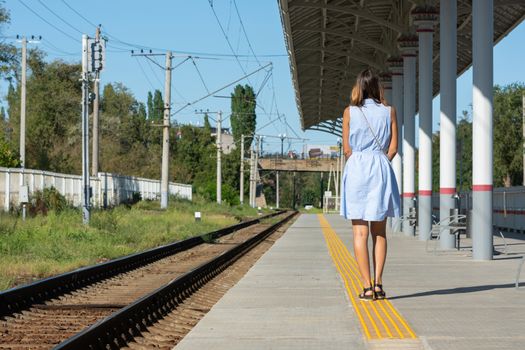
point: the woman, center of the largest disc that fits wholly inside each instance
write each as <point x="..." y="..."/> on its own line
<point x="369" y="193"/>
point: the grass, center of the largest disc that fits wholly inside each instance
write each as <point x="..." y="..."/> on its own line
<point x="47" y="245"/>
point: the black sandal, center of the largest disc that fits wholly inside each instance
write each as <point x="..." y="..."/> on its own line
<point x="381" y="293"/>
<point x="367" y="297"/>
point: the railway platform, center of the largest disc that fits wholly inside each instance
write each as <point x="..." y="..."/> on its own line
<point x="302" y="295"/>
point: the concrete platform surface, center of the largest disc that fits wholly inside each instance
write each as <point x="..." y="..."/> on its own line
<point x="294" y="297"/>
<point x="451" y="301"/>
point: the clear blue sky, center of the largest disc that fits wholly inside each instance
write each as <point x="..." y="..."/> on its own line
<point x="190" y="26"/>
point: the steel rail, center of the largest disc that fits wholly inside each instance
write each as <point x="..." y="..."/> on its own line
<point x="22" y="297"/>
<point x="116" y="330"/>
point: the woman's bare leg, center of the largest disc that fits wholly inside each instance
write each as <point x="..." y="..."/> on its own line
<point x="378" y="230"/>
<point x="360" y="228"/>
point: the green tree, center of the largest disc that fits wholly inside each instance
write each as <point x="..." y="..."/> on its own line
<point x="8" y="52"/>
<point x="508" y="138"/>
<point x="150" y="105"/>
<point x="243" y="118"/>
<point x="52" y="115"/>
<point x="207" y="125"/>
<point x="464" y="157"/>
<point x="8" y="157"/>
<point x="158" y="106"/>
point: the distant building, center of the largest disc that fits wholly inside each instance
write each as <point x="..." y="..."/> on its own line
<point x="228" y="144"/>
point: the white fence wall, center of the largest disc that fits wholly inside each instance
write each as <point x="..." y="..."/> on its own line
<point x="508" y="207"/>
<point x="108" y="189"/>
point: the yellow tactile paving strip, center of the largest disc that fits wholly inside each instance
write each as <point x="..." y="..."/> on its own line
<point x="378" y="319"/>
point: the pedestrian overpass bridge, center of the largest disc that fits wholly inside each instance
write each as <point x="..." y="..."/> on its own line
<point x="299" y="165"/>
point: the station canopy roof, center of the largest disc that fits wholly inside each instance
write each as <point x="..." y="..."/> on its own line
<point x="330" y="41"/>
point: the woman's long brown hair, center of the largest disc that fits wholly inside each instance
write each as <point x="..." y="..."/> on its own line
<point x="367" y="85"/>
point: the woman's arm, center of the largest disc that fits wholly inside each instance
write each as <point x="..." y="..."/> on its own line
<point x="347" y="151"/>
<point x="392" y="149"/>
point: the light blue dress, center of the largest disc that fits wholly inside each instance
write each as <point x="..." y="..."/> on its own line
<point x="369" y="188"/>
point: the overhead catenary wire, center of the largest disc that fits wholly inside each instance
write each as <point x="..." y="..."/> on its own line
<point x="227" y="38"/>
<point x="244" y="31"/>
<point x="164" y="49"/>
<point x="49" y="44"/>
<point x="60" y="18"/>
<point x="224" y="87"/>
<point x="200" y="75"/>
<point x="144" y="73"/>
<point x="46" y="21"/>
<point x="79" y="14"/>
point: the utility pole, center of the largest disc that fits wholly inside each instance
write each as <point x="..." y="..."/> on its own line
<point x="96" y="91"/>
<point x="277" y="194"/>
<point x="164" y="176"/>
<point x="277" y="199"/>
<point x="24" y="42"/>
<point x="164" y="180"/>
<point x="255" y="169"/>
<point x="219" y="155"/>
<point x="85" y="132"/>
<point x="252" y="158"/>
<point x="23" y="105"/>
<point x="293" y="192"/>
<point x="241" y="190"/>
<point x="93" y="56"/>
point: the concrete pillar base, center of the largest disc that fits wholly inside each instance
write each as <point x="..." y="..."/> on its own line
<point x="407" y="229"/>
<point x="482" y="239"/>
<point x="446" y="202"/>
<point x="424" y="219"/>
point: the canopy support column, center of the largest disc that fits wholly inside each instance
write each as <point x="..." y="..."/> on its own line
<point x="424" y="18"/>
<point x="447" y="135"/>
<point x="482" y="126"/>
<point x="408" y="46"/>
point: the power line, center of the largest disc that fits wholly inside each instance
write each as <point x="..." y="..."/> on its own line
<point x="140" y="46"/>
<point x="49" y="23"/>
<point x="244" y="31"/>
<point x="49" y="44"/>
<point x="79" y="14"/>
<point x="222" y="88"/>
<point x="226" y="37"/>
<point x="59" y="17"/>
<point x="145" y="75"/>
<point x="200" y="75"/>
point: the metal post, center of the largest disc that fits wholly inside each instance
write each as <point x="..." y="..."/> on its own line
<point x="396" y="68"/>
<point x="425" y="29"/>
<point x="96" y="91"/>
<point x="256" y="170"/>
<point x="241" y="190"/>
<point x="447" y="134"/>
<point x="408" y="47"/>
<point x="482" y="126"/>
<point x="166" y="136"/>
<point x="23" y="104"/>
<point x="85" y="133"/>
<point x="336" y="179"/>
<point x="341" y="167"/>
<point x="321" y="190"/>
<point x="293" y="192"/>
<point x="252" y="155"/>
<point x="277" y="199"/>
<point x="219" y="155"/>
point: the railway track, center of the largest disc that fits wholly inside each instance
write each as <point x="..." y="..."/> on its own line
<point x="54" y="313"/>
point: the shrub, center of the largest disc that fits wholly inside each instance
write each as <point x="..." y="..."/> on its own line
<point x="48" y="199"/>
